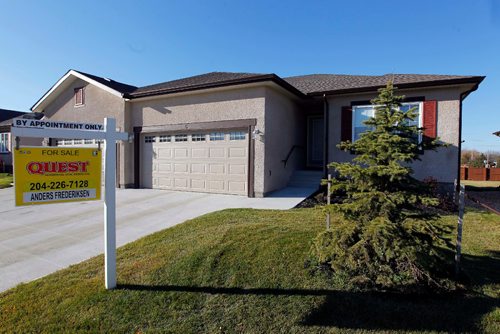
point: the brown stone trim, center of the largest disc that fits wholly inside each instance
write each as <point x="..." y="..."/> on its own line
<point x="216" y="125"/>
<point x="251" y="162"/>
<point x="137" y="156"/>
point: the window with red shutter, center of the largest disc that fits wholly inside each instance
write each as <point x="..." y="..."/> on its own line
<point x="346" y="124"/>
<point x="430" y="119"/>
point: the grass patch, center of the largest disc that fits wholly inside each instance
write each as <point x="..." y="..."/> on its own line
<point x="5" y="180"/>
<point x="481" y="185"/>
<point x="242" y="271"/>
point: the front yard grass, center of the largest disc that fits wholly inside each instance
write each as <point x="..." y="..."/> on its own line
<point x="242" y="271"/>
<point x="5" y="180"/>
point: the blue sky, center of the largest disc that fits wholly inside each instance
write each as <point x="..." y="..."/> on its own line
<point x="146" y="42"/>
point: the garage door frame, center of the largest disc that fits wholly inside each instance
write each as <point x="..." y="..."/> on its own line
<point x="248" y="124"/>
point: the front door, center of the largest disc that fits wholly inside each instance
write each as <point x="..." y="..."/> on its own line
<point x="315" y="141"/>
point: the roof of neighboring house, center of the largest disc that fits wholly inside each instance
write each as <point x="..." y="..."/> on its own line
<point x="316" y="84"/>
<point x="302" y="86"/>
<point x="6" y="114"/>
<point x="6" y="117"/>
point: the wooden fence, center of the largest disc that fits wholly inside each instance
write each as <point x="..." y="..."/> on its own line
<point x="479" y="174"/>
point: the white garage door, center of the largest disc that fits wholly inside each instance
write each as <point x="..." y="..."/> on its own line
<point x="215" y="162"/>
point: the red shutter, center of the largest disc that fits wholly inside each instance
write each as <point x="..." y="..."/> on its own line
<point x="346" y="124"/>
<point x="430" y="119"/>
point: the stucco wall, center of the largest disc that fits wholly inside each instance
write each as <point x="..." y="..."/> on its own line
<point x="441" y="164"/>
<point x="285" y="127"/>
<point x="230" y="104"/>
<point x="98" y="105"/>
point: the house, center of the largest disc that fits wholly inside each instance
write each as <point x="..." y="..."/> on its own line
<point x="251" y="134"/>
<point x="6" y="117"/>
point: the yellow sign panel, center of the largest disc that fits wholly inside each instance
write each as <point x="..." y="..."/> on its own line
<point x="44" y="175"/>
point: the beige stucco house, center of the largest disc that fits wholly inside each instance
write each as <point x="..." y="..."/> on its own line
<point x="251" y="134"/>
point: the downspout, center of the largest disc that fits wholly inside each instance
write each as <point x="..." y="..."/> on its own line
<point x="325" y="131"/>
<point x="463" y="95"/>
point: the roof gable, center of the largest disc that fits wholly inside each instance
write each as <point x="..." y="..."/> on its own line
<point x="113" y="87"/>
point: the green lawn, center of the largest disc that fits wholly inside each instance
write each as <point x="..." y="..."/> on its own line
<point x="481" y="184"/>
<point x="5" y="180"/>
<point x="242" y="271"/>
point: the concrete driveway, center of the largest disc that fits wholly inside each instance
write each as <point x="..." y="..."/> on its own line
<point x="38" y="240"/>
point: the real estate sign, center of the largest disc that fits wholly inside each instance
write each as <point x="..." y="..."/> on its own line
<point x="45" y="175"/>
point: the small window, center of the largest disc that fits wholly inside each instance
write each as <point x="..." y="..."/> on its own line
<point x="60" y="142"/>
<point x="198" y="137"/>
<point x="79" y="96"/>
<point x="150" y="139"/>
<point x="181" y="138"/>
<point x="77" y="141"/>
<point x="214" y="136"/>
<point x="4" y="142"/>
<point x="165" y="139"/>
<point x="68" y="142"/>
<point x="240" y="135"/>
<point x="88" y="141"/>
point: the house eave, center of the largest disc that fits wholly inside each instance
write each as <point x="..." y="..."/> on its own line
<point x="447" y="82"/>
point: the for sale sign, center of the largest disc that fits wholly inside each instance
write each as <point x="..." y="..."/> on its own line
<point x="45" y="175"/>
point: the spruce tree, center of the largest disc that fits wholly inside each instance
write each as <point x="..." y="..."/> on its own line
<point x="384" y="238"/>
<point x="378" y="182"/>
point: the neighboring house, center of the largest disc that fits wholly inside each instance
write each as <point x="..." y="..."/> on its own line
<point x="245" y="133"/>
<point x="6" y="117"/>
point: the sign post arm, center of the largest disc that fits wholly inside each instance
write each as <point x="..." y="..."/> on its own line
<point x="109" y="204"/>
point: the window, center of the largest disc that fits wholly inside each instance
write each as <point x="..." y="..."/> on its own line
<point x="4" y="142"/>
<point x="165" y="139"/>
<point x="149" y="139"/>
<point x="181" y="138"/>
<point x="77" y="141"/>
<point x="363" y="113"/>
<point x="68" y="142"/>
<point x="88" y="141"/>
<point x="79" y="96"/>
<point x="198" y="137"/>
<point x="240" y="135"/>
<point x="214" y="136"/>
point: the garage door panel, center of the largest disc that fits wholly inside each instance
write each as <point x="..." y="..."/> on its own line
<point x="164" y="153"/>
<point x="237" y="169"/>
<point x="237" y="152"/>
<point x="217" y="152"/>
<point x="198" y="168"/>
<point x="198" y="184"/>
<point x="199" y="153"/>
<point x="181" y="167"/>
<point x="217" y="185"/>
<point x="217" y="166"/>
<point x="181" y="182"/>
<point x="237" y="186"/>
<point x="181" y="153"/>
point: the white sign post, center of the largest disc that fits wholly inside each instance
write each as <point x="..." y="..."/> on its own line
<point x="69" y="130"/>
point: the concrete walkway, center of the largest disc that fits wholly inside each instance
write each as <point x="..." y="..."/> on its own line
<point x="38" y="240"/>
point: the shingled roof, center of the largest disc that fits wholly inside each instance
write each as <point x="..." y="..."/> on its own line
<point x="118" y="86"/>
<point x="301" y="86"/>
<point x="315" y="84"/>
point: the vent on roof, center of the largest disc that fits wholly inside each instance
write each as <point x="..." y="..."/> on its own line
<point x="107" y="79"/>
